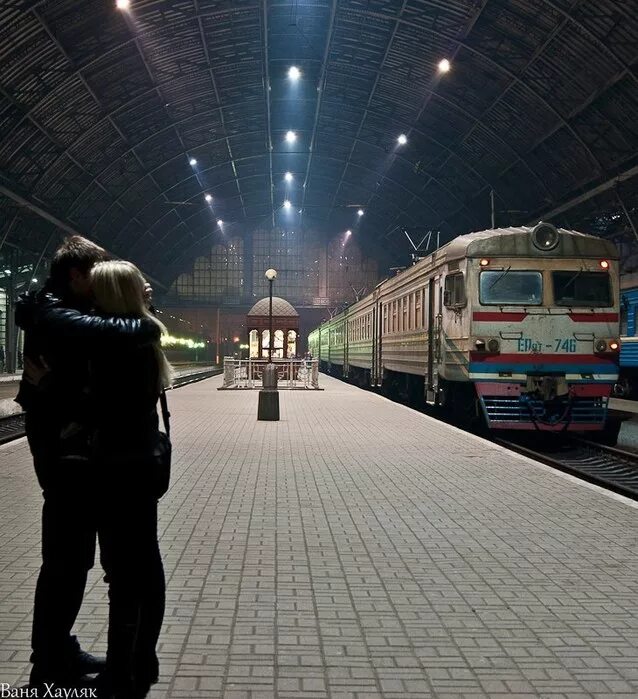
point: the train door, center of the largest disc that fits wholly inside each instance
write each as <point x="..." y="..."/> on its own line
<point x="433" y="324"/>
<point x="347" y="331"/>
<point x="376" y="344"/>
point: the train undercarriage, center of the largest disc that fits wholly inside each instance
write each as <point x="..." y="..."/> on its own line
<point x="546" y="404"/>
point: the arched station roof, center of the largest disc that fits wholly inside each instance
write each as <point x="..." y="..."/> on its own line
<point x="102" y="110"/>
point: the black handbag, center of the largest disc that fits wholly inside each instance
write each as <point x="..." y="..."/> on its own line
<point x="160" y="476"/>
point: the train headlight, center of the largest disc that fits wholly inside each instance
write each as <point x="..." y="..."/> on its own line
<point x="614" y="345"/>
<point x="545" y="236"/>
<point x="604" y="264"/>
<point x="493" y="345"/>
<point x="484" y="262"/>
<point x="600" y="345"/>
<point x="480" y="345"/>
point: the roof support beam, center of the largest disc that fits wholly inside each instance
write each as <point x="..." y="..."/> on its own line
<point x="7" y="188"/>
<point x="589" y="194"/>
<point x="320" y="91"/>
<point x="368" y="103"/>
<point x="267" y="94"/>
<point x="202" y="36"/>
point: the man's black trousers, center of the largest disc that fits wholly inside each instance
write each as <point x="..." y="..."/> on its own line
<point x="69" y="526"/>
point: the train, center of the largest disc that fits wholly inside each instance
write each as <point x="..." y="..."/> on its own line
<point x="512" y="328"/>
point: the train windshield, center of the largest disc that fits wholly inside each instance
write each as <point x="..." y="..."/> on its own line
<point x="512" y="287"/>
<point x="578" y="288"/>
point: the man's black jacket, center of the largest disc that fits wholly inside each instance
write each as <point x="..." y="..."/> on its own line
<point x="65" y="338"/>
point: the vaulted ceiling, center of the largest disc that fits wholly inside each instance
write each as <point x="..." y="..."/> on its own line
<point x="102" y="110"/>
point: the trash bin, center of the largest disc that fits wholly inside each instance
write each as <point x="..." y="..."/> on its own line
<point x="268" y="408"/>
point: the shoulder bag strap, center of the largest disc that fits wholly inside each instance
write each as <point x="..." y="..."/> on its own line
<point x="165" y="414"/>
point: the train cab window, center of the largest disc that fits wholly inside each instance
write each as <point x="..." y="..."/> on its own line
<point x="578" y="288"/>
<point x="511" y="287"/>
<point x="454" y="292"/>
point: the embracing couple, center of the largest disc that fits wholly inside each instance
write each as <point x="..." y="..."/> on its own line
<point x="94" y="370"/>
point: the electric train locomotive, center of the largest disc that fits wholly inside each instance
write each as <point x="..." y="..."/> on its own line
<point x="518" y="327"/>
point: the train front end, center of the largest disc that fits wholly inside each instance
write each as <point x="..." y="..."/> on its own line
<point x="544" y="345"/>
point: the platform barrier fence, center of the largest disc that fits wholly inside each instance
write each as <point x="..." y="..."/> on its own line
<point x="291" y="373"/>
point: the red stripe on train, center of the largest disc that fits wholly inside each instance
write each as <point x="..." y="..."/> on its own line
<point x="594" y="317"/>
<point x="588" y="359"/>
<point x="496" y="316"/>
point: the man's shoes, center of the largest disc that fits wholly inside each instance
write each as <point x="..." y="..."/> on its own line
<point x="84" y="663"/>
<point x="73" y="665"/>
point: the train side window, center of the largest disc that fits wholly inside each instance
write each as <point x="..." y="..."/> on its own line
<point x="624" y="315"/>
<point x="411" y="310"/>
<point x="454" y="291"/>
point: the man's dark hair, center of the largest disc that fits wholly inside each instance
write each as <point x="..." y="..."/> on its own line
<point x="75" y="252"/>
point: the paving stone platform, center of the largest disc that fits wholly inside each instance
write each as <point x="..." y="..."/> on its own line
<point x="356" y="550"/>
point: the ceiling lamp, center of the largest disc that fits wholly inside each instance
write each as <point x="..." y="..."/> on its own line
<point x="208" y="198"/>
<point x="403" y="139"/>
<point x="122" y="4"/>
<point x="444" y="66"/>
<point x="360" y="212"/>
<point x="291" y="136"/>
<point x="294" y="73"/>
<point x="287" y="204"/>
<point x="220" y="223"/>
<point x="192" y="162"/>
<point x="288" y="177"/>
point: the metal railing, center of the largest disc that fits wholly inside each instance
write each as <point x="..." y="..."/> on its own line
<point x="292" y="373"/>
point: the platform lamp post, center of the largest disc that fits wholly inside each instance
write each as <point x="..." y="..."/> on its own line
<point x="269" y="395"/>
<point x="271" y="275"/>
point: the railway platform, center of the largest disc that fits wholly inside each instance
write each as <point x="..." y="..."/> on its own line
<point x="358" y="549"/>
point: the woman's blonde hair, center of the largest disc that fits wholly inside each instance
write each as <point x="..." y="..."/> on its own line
<point x="119" y="289"/>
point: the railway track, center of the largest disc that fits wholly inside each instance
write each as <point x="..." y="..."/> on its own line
<point x="12" y="426"/>
<point x="608" y="467"/>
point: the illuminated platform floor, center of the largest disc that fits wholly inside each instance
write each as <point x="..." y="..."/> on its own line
<point x="359" y="549"/>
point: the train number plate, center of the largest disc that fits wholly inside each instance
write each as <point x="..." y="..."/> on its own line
<point x="559" y="344"/>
